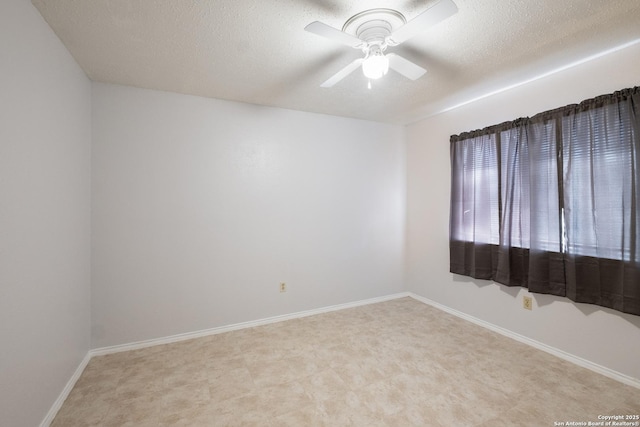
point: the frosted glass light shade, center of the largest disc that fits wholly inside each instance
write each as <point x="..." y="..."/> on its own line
<point x="375" y="66"/>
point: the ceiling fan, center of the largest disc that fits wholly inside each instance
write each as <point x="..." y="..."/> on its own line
<point x="373" y="31"/>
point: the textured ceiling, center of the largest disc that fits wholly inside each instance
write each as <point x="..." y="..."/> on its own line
<point x="257" y="51"/>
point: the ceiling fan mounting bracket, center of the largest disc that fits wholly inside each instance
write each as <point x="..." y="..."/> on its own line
<point x="373" y="26"/>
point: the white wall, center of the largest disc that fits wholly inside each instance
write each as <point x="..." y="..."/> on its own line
<point x="45" y="131"/>
<point x="600" y="335"/>
<point x="202" y="207"/>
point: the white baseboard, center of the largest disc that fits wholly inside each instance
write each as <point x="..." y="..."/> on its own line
<point x="610" y="373"/>
<point x="213" y="331"/>
<point x="53" y="411"/>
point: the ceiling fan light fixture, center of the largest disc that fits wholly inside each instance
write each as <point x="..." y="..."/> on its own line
<point x="375" y="66"/>
<point x="373" y="30"/>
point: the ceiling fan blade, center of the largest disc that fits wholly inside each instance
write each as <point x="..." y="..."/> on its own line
<point x="430" y="17"/>
<point x="331" y="33"/>
<point x="405" y="67"/>
<point x="343" y="73"/>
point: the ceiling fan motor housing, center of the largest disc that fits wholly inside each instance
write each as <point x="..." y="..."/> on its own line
<point x="373" y="26"/>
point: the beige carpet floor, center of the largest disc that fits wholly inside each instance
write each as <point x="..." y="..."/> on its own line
<point x="396" y="363"/>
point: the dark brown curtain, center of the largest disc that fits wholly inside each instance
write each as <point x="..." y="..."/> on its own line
<point x="551" y="202"/>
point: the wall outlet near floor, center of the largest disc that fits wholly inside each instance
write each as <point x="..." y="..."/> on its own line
<point x="283" y="287"/>
<point x="527" y="302"/>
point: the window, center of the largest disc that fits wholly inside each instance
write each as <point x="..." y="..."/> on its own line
<point x="598" y="170"/>
<point x="551" y="202"/>
<point x="477" y="195"/>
